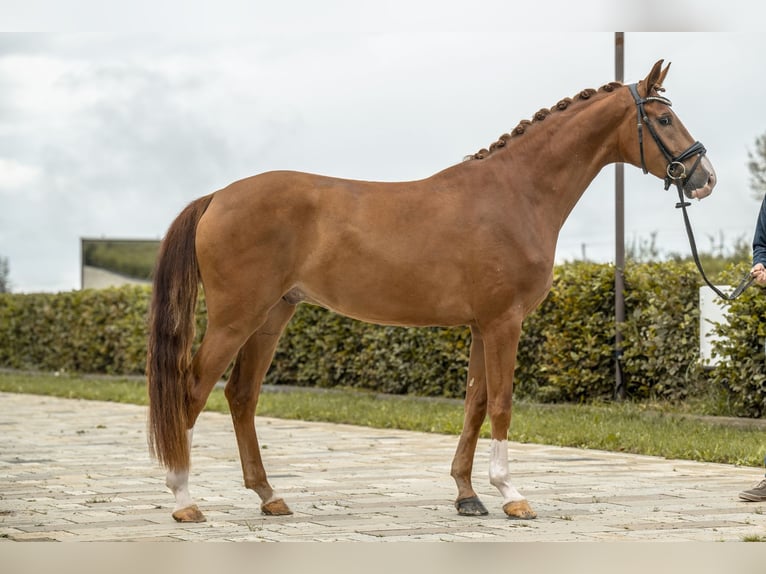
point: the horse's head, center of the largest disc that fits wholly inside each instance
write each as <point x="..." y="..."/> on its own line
<point x="662" y="145"/>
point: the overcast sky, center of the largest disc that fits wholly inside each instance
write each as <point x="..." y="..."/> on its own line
<point x="110" y="134"/>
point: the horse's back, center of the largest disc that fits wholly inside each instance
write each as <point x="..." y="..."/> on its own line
<point x="426" y="252"/>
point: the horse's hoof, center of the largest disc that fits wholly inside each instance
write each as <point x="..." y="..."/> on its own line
<point x="276" y="508"/>
<point x="471" y="507"/>
<point x="519" y="509"/>
<point x="189" y="514"/>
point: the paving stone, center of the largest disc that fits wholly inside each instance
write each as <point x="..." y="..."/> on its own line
<point x="75" y="470"/>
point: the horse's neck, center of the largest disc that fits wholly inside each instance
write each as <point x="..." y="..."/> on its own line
<point x="564" y="153"/>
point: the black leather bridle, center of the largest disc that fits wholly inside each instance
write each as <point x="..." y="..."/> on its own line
<point x="675" y="172"/>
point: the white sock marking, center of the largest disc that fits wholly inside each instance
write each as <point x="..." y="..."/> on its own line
<point x="499" y="476"/>
<point x="178" y="483"/>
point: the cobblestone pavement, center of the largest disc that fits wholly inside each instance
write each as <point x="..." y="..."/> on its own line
<point x="79" y="470"/>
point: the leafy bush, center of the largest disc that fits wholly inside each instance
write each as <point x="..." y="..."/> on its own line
<point x="742" y="368"/>
<point x="578" y="336"/>
<point x="323" y="349"/>
<point x="89" y="331"/>
<point x="661" y="331"/>
<point x="566" y="352"/>
<point x="100" y="331"/>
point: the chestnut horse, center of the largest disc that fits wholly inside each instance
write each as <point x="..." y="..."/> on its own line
<point x="472" y="245"/>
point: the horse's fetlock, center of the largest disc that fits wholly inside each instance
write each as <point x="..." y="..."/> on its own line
<point x="498" y="478"/>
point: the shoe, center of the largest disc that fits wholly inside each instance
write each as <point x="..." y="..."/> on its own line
<point x="755" y="494"/>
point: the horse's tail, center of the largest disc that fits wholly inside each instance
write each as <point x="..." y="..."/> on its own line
<point x="171" y="334"/>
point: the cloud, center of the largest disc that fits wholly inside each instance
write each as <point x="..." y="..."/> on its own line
<point x="15" y="176"/>
<point x="111" y="135"/>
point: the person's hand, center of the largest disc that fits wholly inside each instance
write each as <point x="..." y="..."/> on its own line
<point x="759" y="273"/>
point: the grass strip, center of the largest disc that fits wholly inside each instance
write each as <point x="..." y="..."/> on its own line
<point x="625" y="427"/>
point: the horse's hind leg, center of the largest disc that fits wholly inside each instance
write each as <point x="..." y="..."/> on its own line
<point x="468" y="503"/>
<point x="242" y="392"/>
<point x="186" y="510"/>
<point x="219" y="345"/>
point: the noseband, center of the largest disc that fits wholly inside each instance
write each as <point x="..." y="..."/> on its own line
<point x="676" y="170"/>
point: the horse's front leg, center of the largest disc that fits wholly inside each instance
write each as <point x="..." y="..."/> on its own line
<point x="468" y="503"/>
<point x="501" y="340"/>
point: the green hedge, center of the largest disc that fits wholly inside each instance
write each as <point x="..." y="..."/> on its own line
<point x="577" y="333"/>
<point x="86" y="331"/>
<point x="323" y="349"/>
<point x="566" y="352"/>
<point x="742" y="370"/>
<point x="661" y="332"/>
<point x="89" y="331"/>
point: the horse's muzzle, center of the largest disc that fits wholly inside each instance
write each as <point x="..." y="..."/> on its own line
<point x="702" y="182"/>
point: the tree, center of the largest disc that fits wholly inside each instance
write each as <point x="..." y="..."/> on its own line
<point x="5" y="284"/>
<point x="757" y="166"/>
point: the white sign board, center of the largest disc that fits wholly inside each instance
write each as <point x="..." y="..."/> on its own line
<point x="713" y="310"/>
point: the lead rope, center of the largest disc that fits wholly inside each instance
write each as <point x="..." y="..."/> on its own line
<point x="747" y="280"/>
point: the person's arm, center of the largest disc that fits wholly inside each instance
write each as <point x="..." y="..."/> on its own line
<point x="759" y="247"/>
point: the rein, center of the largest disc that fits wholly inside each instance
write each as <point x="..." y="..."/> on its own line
<point x="676" y="173"/>
<point x="747" y="280"/>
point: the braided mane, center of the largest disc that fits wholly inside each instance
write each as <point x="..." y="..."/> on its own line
<point x="540" y="116"/>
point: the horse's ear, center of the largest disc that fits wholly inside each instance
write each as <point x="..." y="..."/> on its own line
<point x="654" y="79"/>
<point x="661" y="81"/>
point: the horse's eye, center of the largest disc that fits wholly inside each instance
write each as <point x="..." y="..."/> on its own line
<point x="665" y="120"/>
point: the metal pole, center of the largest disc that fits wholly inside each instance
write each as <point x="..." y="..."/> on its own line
<point x="619" y="236"/>
<point x="82" y="264"/>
